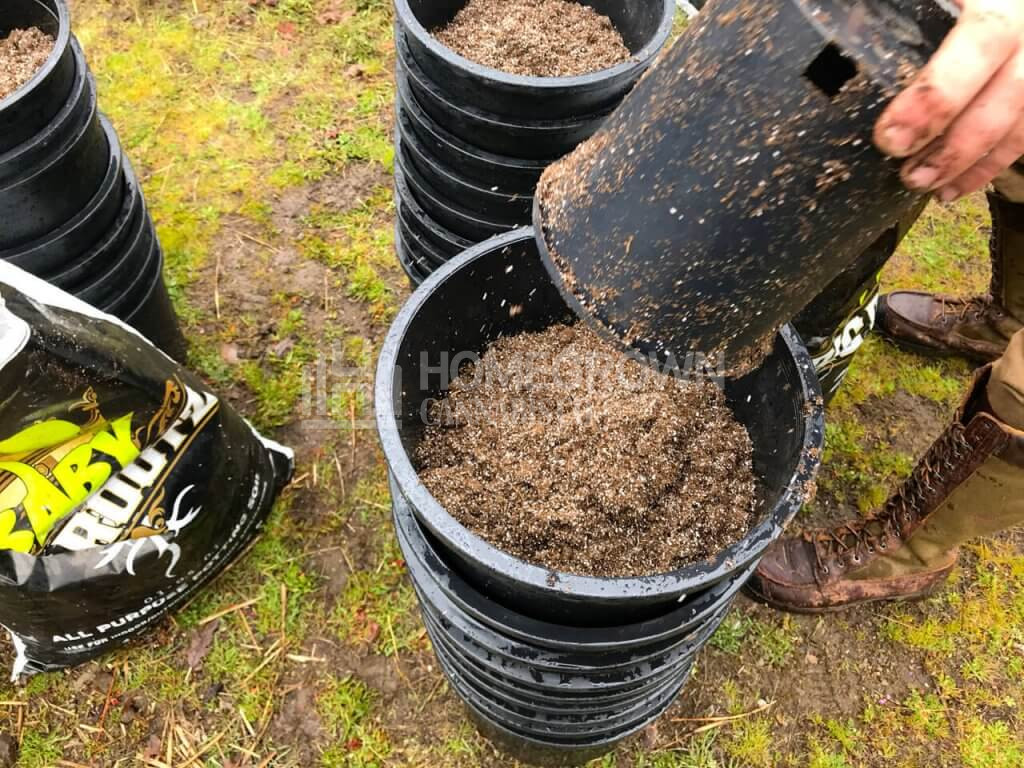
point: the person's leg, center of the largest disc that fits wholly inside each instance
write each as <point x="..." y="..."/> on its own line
<point x="969" y="484"/>
<point x="836" y="323"/>
<point x="1006" y="385"/>
<point x="980" y="327"/>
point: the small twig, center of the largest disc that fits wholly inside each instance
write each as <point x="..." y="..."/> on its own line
<point x="341" y="475"/>
<point x="245" y="722"/>
<point x="376" y="504"/>
<point x="216" y="287"/>
<point x="712" y="723"/>
<point x="109" y="699"/>
<point x="284" y="610"/>
<point x="269" y="658"/>
<point x="169" y="737"/>
<point x="248" y="631"/>
<point x="352" y="418"/>
<point x="230" y="609"/>
<point x="256" y="240"/>
<point x="206" y="747"/>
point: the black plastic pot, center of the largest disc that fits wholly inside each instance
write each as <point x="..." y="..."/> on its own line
<point x="487" y="201"/>
<point x="80" y="270"/>
<point x="719" y="201"/>
<point x="474" y="140"/>
<point x="421" y="246"/>
<point x="416" y="218"/>
<point x="48" y="179"/>
<point x="503" y="133"/>
<point x="28" y="110"/>
<point x="408" y="225"/>
<point x="416" y="269"/>
<point x="465" y="307"/>
<point x="66" y="243"/>
<point x="512" y="174"/>
<point x="550" y="661"/>
<point x="466" y="599"/>
<point x="450" y="214"/>
<point x="562" y="698"/>
<point x="106" y="285"/>
<point x="644" y="24"/>
<point x="149" y="310"/>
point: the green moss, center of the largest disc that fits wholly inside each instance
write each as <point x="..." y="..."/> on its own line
<point x="346" y="708"/>
<point x="700" y="751"/>
<point x="752" y="744"/>
<point x="41" y="749"/>
<point x="991" y="745"/>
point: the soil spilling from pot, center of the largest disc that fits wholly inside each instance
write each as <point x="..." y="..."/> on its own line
<point x="558" y="449"/>
<point x="22" y="53"/>
<point x="542" y="38"/>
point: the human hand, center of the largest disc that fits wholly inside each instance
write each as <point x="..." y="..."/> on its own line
<point x="960" y="123"/>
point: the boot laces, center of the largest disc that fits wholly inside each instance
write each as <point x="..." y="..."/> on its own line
<point x="851" y="543"/>
<point x="975" y="308"/>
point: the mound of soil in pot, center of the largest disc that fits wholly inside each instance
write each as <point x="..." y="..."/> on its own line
<point x="22" y="53"/>
<point x="542" y="38"/>
<point x="559" y="449"/>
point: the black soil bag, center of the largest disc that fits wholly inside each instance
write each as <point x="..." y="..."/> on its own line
<point x="125" y="484"/>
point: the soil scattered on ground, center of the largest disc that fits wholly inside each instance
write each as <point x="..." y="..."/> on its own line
<point x="542" y="38"/>
<point x="561" y="450"/>
<point x="22" y="53"/>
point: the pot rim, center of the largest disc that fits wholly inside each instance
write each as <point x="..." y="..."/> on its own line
<point x="471" y="546"/>
<point x="636" y="62"/>
<point x="60" y="44"/>
<point x="405" y="101"/>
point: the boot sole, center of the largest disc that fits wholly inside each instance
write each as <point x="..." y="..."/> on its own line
<point x="816" y="611"/>
<point x="935" y="353"/>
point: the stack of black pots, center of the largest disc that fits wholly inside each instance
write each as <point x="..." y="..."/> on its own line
<point x="558" y="668"/>
<point x="471" y="142"/>
<point x="71" y="209"/>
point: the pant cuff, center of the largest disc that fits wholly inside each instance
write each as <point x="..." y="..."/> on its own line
<point x="1010" y="183"/>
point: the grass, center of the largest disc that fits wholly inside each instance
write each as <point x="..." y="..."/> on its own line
<point x="229" y="110"/>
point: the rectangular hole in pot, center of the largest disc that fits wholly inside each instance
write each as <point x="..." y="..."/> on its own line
<point x="831" y="70"/>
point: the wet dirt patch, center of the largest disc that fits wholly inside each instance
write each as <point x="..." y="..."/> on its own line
<point x="908" y="423"/>
<point x="344" y="191"/>
<point x="829" y="671"/>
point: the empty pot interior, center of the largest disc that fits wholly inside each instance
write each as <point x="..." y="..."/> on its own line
<point x="636" y="20"/>
<point x="21" y="14"/>
<point x="507" y="292"/>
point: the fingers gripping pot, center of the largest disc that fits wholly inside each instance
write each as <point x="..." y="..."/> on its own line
<point x="739" y="177"/>
<point x="125" y="484"/>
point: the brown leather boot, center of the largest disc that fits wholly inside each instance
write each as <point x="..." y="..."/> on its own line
<point x="976" y="328"/>
<point x="969" y="484"/>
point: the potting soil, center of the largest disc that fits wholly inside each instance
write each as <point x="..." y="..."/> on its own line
<point x="22" y="53"/>
<point x="542" y="38"/>
<point x="559" y="449"/>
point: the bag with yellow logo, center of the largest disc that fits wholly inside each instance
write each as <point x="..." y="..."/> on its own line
<point x="125" y="484"/>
